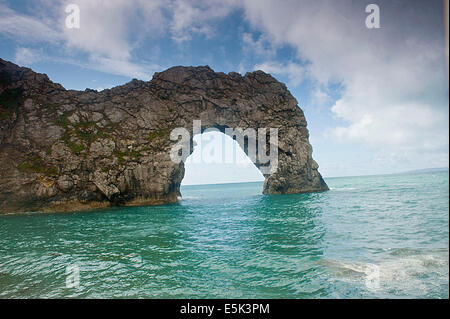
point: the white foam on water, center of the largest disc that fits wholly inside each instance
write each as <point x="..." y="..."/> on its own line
<point x="342" y="188"/>
<point x="405" y="274"/>
<point x="188" y="197"/>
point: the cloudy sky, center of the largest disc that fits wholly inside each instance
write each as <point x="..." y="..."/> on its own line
<point x="376" y="100"/>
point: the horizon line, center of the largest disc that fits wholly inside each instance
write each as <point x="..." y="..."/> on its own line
<point x="397" y="173"/>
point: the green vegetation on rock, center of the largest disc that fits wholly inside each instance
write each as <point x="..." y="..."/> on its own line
<point x="131" y="154"/>
<point x="159" y="133"/>
<point x="34" y="164"/>
<point x="87" y="131"/>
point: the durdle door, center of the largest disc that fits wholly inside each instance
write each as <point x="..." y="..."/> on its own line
<point x="64" y="150"/>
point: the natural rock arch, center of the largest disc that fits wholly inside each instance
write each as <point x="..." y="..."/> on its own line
<point x="219" y="149"/>
<point x="69" y="150"/>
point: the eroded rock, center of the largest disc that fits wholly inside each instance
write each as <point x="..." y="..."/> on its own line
<point x="68" y="150"/>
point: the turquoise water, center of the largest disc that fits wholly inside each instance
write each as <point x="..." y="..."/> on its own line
<point x="373" y="236"/>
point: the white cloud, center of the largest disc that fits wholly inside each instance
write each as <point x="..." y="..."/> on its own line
<point x="190" y="17"/>
<point x="260" y="46"/>
<point x="110" y="30"/>
<point x="395" y="93"/>
<point x="26" y="56"/>
<point x="26" y="28"/>
<point x="295" y="72"/>
<point x="320" y="96"/>
<point x="123" y="67"/>
<point x="105" y="33"/>
<point x="102" y="29"/>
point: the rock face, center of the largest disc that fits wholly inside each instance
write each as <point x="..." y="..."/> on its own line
<point x="66" y="150"/>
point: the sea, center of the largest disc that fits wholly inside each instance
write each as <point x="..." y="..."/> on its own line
<point x="384" y="236"/>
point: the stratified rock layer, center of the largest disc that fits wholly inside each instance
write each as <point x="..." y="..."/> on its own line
<point x="66" y="150"/>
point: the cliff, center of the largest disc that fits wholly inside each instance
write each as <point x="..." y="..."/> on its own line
<point x="63" y="150"/>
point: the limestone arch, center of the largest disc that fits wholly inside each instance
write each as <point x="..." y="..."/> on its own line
<point x="89" y="149"/>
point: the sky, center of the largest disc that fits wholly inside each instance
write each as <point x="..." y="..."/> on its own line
<point x="376" y="99"/>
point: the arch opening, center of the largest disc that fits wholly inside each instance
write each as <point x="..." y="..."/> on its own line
<point x="218" y="159"/>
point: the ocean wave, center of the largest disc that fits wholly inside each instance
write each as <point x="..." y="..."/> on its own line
<point x="401" y="270"/>
<point x="342" y="188"/>
<point x="188" y="197"/>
